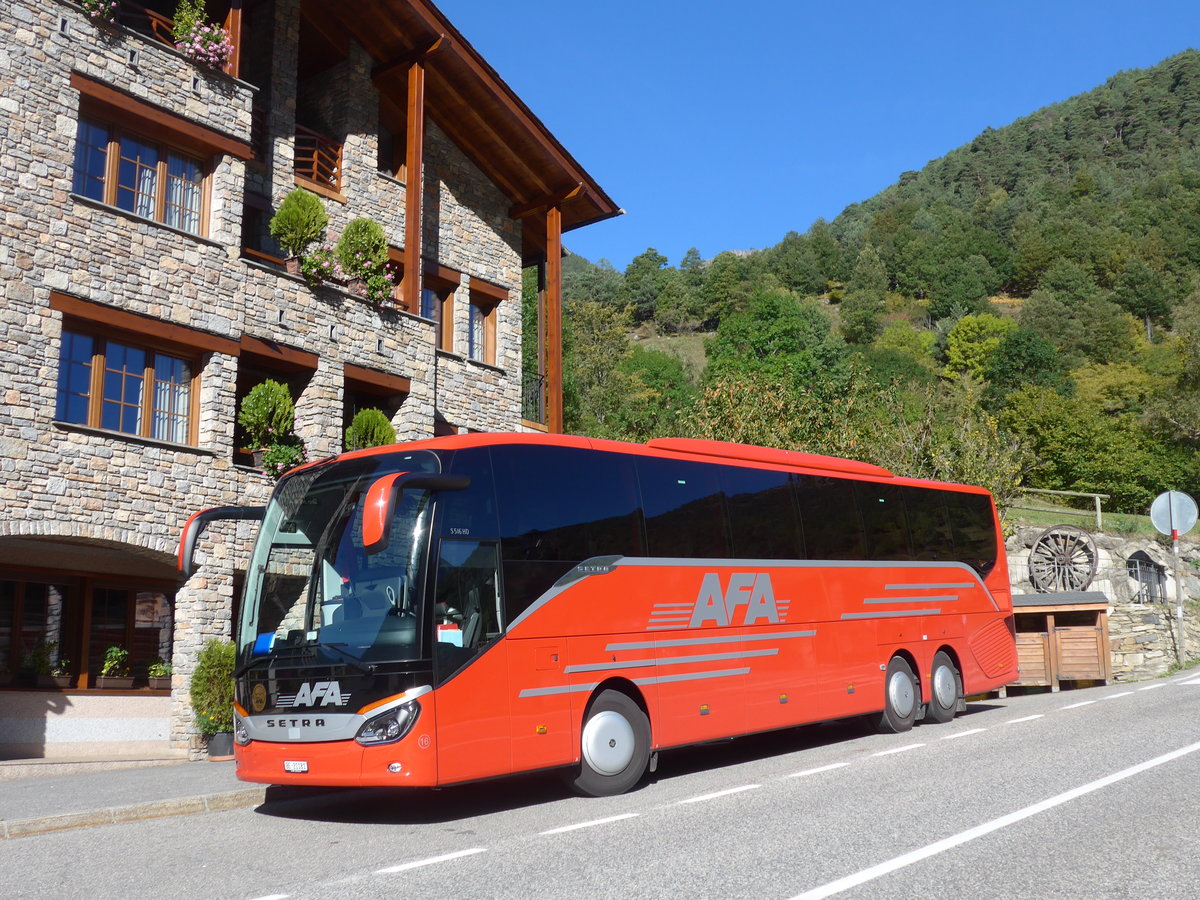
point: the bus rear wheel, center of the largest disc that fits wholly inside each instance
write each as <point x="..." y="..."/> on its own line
<point x="901" y="697"/>
<point x="945" y="685"/>
<point x="614" y="746"/>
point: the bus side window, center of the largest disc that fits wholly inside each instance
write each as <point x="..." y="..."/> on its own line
<point x="829" y="514"/>
<point x="682" y="505"/>
<point x="467" y="608"/>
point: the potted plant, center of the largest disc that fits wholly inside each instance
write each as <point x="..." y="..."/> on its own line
<point x="159" y="674"/>
<point x="363" y="251"/>
<point x="369" y="428"/>
<point x="322" y="265"/>
<point x="198" y="39"/>
<point x="212" y="696"/>
<point x="267" y="413"/>
<point x="51" y="670"/>
<point x="114" y="671"/>
<point x="102" y="12"/>
<point x="299" y="222"/>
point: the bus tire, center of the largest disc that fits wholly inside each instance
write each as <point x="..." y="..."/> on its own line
<point x="901" y="697"/>
<point x="945" y="687"/>
<point x="614" y="746"/>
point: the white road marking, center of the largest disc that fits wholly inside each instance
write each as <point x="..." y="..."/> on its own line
<point x="1151" y="687"/>
<point x="1188" y="680"/>
<point x="1114" y="696"/>
<point x="818" y="769"/>
<point x="907" y="859"/>
<point x="1024" y="719"/>
<point x="897" y="749"/>
<point x="959" y="734"/>
<point x="446" y="857"/>
<point x="725" y="793"/>
<point x="576" y="827"/>
<point x="1077" y="705"/>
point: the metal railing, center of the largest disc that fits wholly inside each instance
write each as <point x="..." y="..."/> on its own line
<point x="533" y="397"/>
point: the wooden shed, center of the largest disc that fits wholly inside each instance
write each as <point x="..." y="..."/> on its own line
<point x="1062" y="637"/>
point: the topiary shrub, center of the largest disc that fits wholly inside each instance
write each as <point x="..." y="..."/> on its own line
<point x="299" y="221"/>
<point x="212" y="687"/>
<point x="362" y="248"/>
<point x="369" y="428"/>
<point x="267" y="413"/>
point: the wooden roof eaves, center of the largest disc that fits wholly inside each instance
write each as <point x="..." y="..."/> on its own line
<point x="461" y="63"/>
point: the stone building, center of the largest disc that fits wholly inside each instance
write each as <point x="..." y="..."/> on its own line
<point x="143" y="297"/>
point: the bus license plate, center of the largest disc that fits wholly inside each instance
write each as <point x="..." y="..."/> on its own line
<point x="295" y="765"/>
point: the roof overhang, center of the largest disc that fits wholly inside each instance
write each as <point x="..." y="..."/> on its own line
<point x="471" y="104"/>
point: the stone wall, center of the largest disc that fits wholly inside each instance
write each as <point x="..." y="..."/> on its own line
<point x="1143" y="633"/>
<point x="59" y="480"/>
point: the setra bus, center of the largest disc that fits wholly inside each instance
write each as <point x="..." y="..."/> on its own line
<point x="477" y="605"/>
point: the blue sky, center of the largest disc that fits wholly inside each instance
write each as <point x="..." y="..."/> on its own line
<point x="723" y="126"/>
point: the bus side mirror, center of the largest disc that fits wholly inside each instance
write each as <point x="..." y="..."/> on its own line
<point x="380" y="504"/>
<point x="195" y="526"/>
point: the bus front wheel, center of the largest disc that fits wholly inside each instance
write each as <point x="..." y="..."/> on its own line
<point x="614" y="746"/>
<point x="945" y="686"/>
<point x="901" y="697"/>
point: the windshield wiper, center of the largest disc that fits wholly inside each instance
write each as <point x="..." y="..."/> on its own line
<point x="350" y="660"/>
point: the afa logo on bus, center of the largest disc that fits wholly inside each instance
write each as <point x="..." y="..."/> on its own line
<point x="720" y="606"/>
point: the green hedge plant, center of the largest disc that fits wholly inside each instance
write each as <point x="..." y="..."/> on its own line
<point x="299" y="222"/>
<point x="369" y="428"/>
<point x="267" y="413"/>
<point x="362" y="249"/>
<point x="212" y="688"/>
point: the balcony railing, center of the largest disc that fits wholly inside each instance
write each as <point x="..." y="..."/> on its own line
<point x="146" y="21"/>
<point x="533" y="397"/>
<point x="318" y="159"/>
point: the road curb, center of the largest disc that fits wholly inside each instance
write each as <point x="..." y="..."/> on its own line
<point x="155" y="809"/>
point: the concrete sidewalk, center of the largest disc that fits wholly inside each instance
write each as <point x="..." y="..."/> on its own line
<point x="85" y="793"/>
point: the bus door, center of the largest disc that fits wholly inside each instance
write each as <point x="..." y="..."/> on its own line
<point x="470" y="662"/>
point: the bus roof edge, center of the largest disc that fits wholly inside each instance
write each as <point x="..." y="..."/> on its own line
<point x="750" y="453"/>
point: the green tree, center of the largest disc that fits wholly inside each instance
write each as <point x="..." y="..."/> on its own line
<point x="1143" y="292"/>
<point x="643" y="283"/>
<point x="1023" y="357"/>
<point x="776" y="332"/>
<point x="972" y="342"/>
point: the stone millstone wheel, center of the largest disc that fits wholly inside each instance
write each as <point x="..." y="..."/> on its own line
<point x="1063" y="558"/>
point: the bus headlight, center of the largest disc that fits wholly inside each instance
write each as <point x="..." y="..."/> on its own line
<point x="389" y="727"/>
<point x="240" y="735"/>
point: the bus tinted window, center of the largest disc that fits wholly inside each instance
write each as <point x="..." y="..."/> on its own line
<point x="928" y="526"/>
<point x="882" y="509"/>
<point x="829" y="515"/>
<point x="762" y="514"/>
<point x="682" y="505"/>
<point x="566" y="504"/>
<point x="973" y="528"/>
<point x="469" y="513"/>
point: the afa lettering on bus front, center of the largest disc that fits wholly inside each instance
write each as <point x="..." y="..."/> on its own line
<point x="748" y="591"/>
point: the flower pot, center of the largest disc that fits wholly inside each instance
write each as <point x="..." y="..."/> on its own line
<point x="258" y="456"/>
<point x="220" y="745"/>
<point x="56" y="681"/>
<point x="114" y="682"/>
<point x="162" y="683"/>
<point x="292" y="265"/>
<point x="357" y="286"/>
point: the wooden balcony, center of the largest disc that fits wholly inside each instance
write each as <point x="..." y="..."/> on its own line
<point x="318" y="162"/>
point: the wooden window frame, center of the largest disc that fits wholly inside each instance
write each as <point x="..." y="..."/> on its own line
<point x="486" y="298"/>
<point x="444" y="283"/>
<point x="115" y="132"/>
<point x="96" y="397"/>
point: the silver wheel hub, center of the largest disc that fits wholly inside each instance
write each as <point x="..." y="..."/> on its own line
<point x="901" y="695"/>
<point x="945" y="686"/>
<point x="608" y="742"/>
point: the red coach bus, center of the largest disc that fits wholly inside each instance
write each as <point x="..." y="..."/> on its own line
<point x="477" y="605"/>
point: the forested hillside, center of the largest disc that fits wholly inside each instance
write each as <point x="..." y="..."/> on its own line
<point x="1023" y="311"/>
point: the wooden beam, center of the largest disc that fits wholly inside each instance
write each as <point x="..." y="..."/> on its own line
<point x="393" y="384"/>
<point x="142" y="325"/>
<point x="414" y="190"/>
<point x="554" y="352"/>
<point x="405" y="61"/>
<point x="152" y="116"/>
<point x="280" y="354"/>
<point x="233" y="24"/>
<point x="536" y="206"/>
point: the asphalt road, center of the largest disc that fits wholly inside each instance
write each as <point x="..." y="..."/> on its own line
<point x="1082" y="794"/>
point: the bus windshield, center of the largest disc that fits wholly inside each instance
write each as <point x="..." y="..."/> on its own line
<point x="313" y="594"/>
